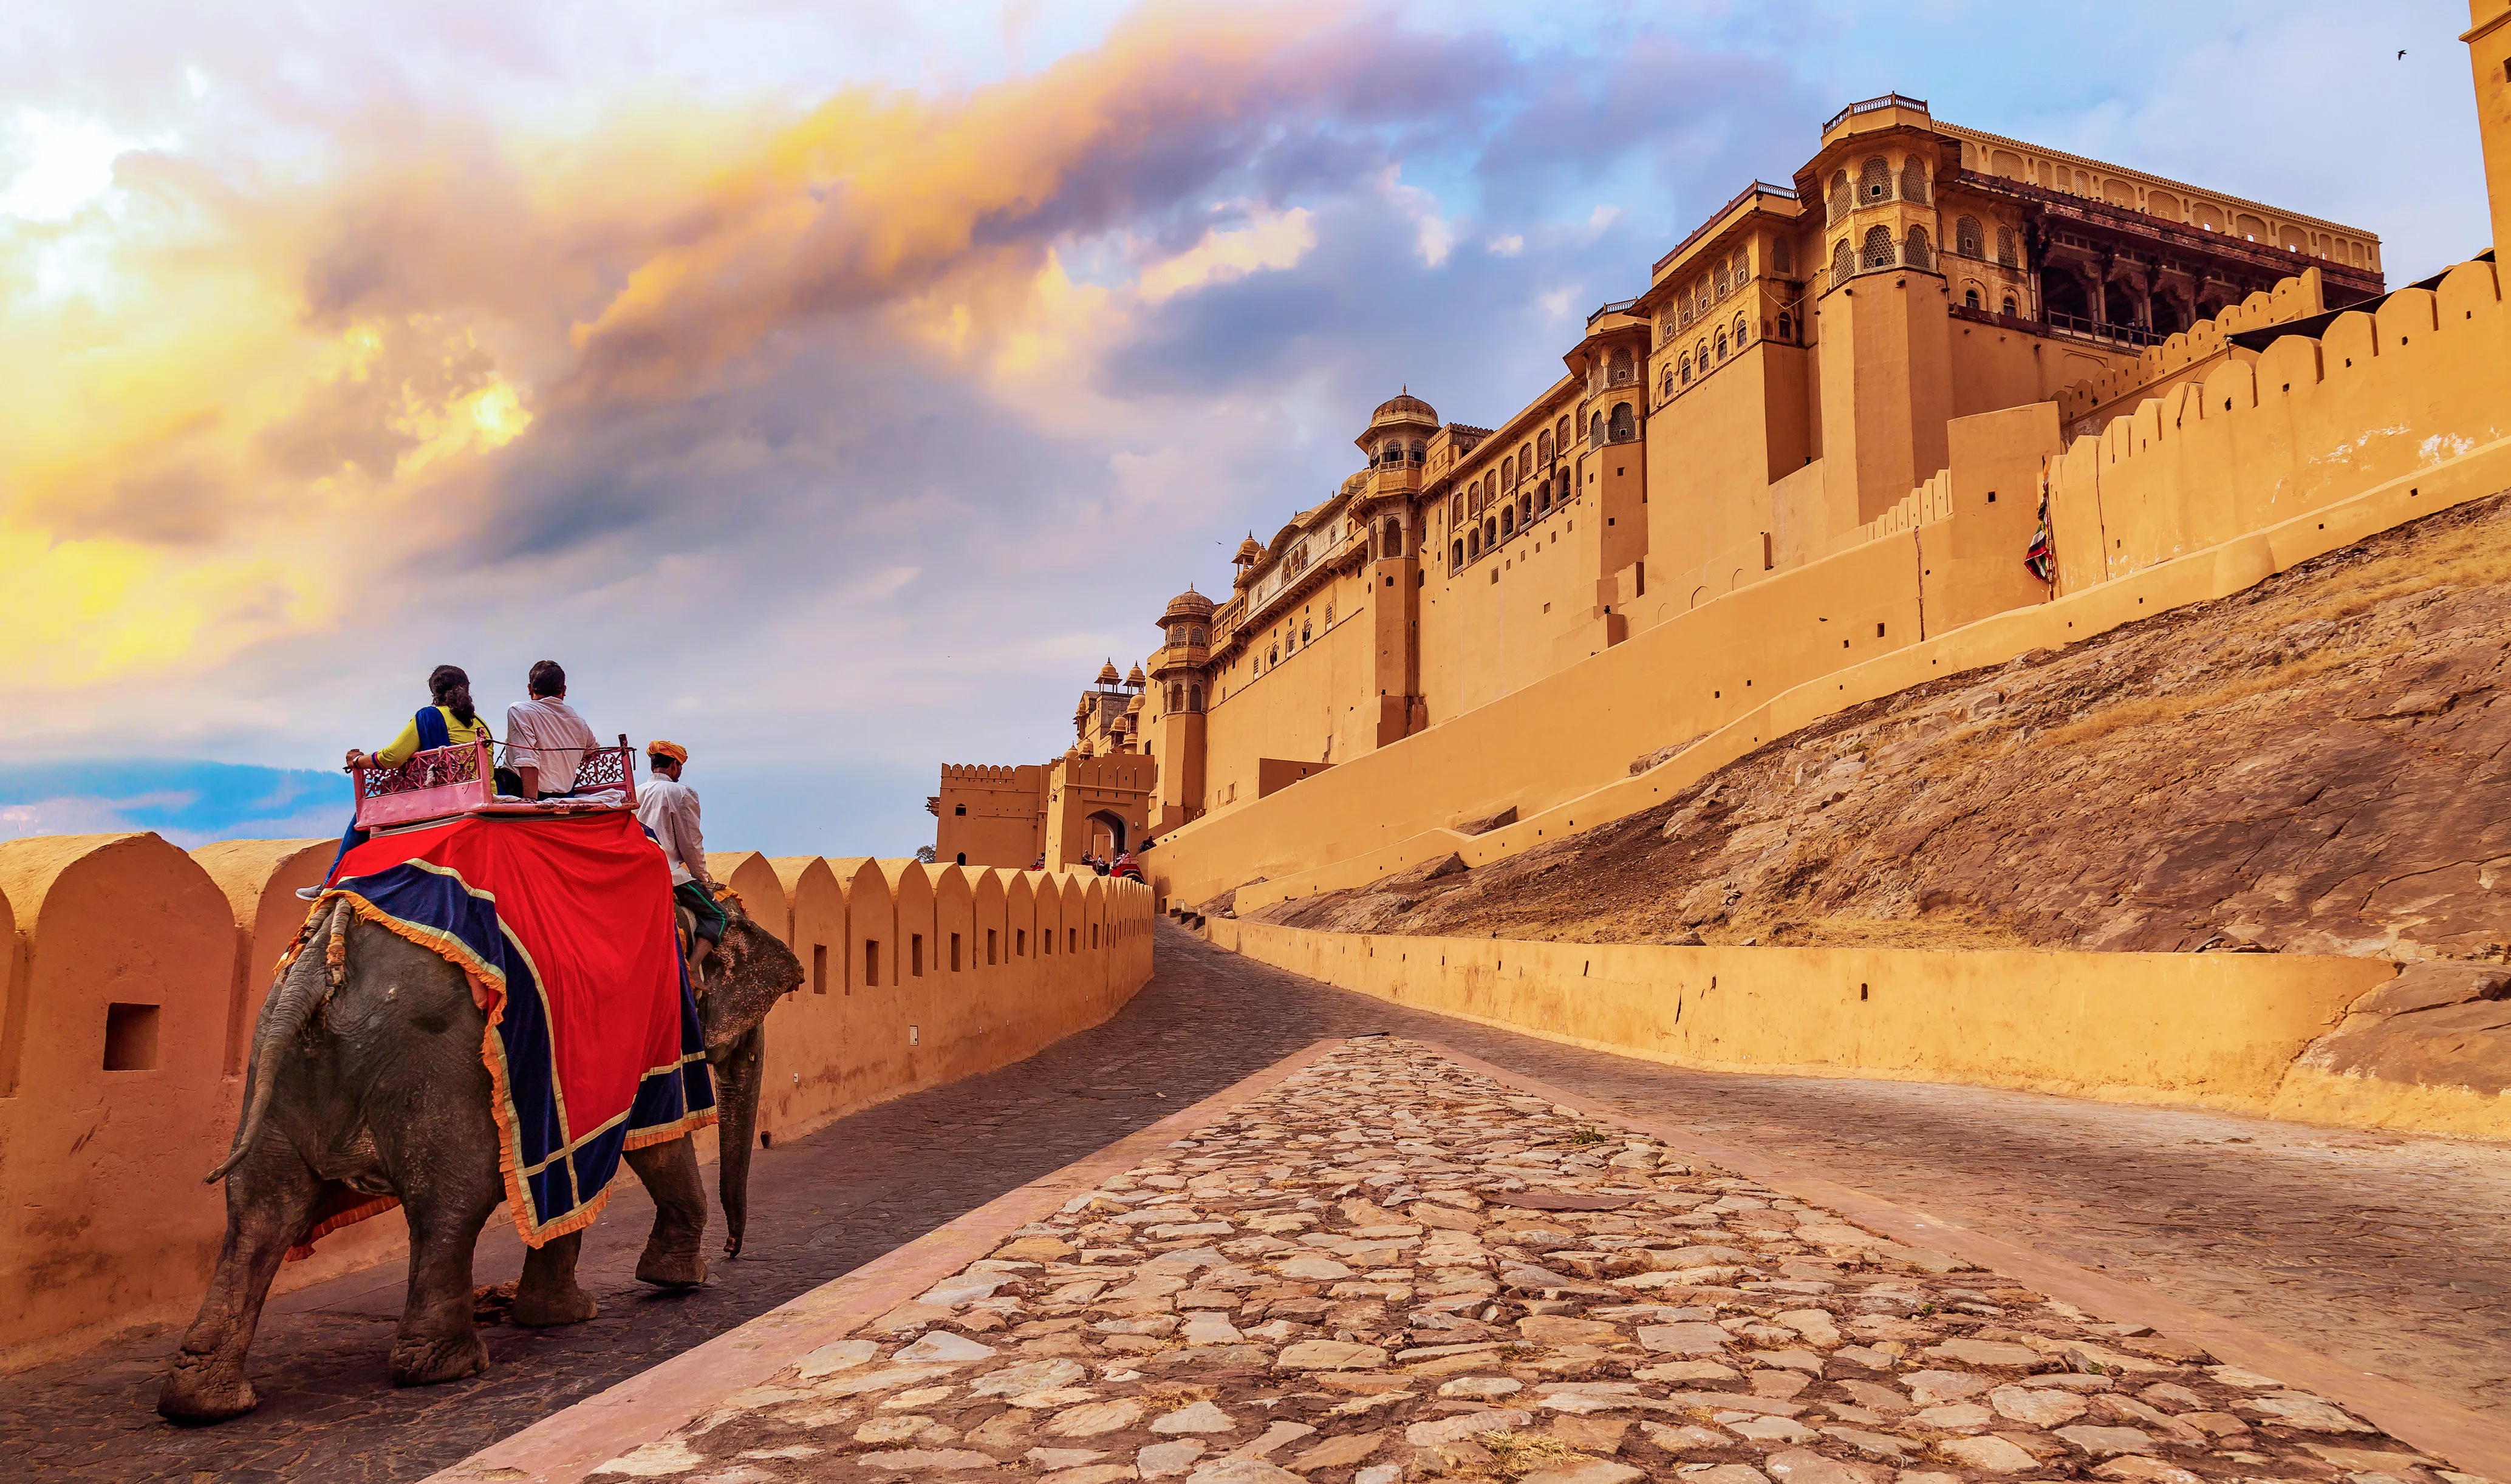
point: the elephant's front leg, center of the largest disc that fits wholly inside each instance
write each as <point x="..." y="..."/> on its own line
<point x="740" y="1070"/>
<point x="549" y="1293"/>
<point x="438" y="1340"/>
<point x="270" y="1202"/>
<point x="674" y="1253"/>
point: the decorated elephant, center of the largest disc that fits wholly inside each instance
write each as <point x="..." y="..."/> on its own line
<point x="367" y="1077"/>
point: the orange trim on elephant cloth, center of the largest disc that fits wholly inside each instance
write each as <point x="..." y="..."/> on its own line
<point x="555" y="935"/>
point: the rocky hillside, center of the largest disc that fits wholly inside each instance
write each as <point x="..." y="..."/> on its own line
<point x="2315" y="765"/>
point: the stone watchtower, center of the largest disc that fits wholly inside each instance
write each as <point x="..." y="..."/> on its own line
<point x="1180" y="677"/>
<point x="1387" y="505"/>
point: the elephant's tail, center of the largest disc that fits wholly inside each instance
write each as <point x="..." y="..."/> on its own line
<point x="309" y="982"/>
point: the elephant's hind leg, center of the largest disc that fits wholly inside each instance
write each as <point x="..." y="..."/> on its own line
<point x="438" y="1340"/>
<point x="270" y="1202"/>
<point x="549" y="1293"/>
<point x="675" y="1254"/>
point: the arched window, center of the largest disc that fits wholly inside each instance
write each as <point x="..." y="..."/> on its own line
<point x="1176" y="696"/>
<point x="1840" y="198"/>
<point x="1490" y="532"/>
<point x="1970" y="297"/>
<point x="1874" y="180"/>
<point x="1194" y="636"/>
<point x="1621" y="365"/>
<point x="1273" y="656"/>
<point x="1543" y="445"/>
<point x="1542" y="496"/>
<point x="1595" y="430"/>
<point x="1420" y="453"/>
<point x="1456" y="559"/>
<point x="1878" y="247"/>
<point x="1687" y="370"/>
<point x="1742" y="333"/>
<point x="1966" y="239"/>
<point x="1743" y="266"/>
<point x="1913" y="180"/>
<point x="2005" y="246"/>
<point x="1623" y="425"/>
<point x="1721" y="345"/>
<point x="1787" y="327"/>
<point x="1561" y="436"/>
<point x="1305" y="633"/>
<point x="1720" y="281"/>
<point x="1474" y="541"/>
<point x="1507" y="520"/>
<point x="1525" y="461"/>
<point x="1394" y="543"/>
<point x="1843" y="262"/>
<point x="2009" y="304"/>
<point x="1915" y="252"/>
<point x="1455" y="510"/>
<point x="1667" y="390"/>
<point x="1194" y="699"/>
<point x="1507" y="473"/>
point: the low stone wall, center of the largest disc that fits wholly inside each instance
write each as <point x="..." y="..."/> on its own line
<point x="133" y="974"/>
<point x="2243" y="1031"/>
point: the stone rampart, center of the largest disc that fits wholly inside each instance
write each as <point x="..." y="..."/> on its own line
<point x="2384" y="418"/>
<point x="135" y="973"/>
<point x="2228" y="1031"/>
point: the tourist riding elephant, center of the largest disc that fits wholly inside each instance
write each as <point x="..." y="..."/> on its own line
<point x="366" y="1075"/>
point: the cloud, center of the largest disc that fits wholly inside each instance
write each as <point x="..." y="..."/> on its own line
<point x="837" y="426"/>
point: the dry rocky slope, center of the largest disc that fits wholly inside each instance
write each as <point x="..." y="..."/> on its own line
<point x="2314" y="765"/>
<point x="1394" y="1269"/>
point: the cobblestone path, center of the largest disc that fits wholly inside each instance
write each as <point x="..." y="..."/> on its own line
<point x="2383" y="1251"/>
<point x="1392" y="1268"/>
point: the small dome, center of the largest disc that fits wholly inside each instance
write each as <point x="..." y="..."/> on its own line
<point x="1356" y="484"/>
<point x="1136" y="705"/>
<point x="1249" y="551"/>
<point x="1134" y="677"/>
<point x="1404" y="407"/>
<point x="1120" y="726"/>
<point x="1188" y="604"/>
<point x="1107" y="673"/>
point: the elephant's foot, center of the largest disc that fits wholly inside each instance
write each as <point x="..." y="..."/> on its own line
<point x="544" y="1309"/>
<point x="425" y="1361"/>
<point x="676" y="1265"/>
<point x="204" y="1389"/>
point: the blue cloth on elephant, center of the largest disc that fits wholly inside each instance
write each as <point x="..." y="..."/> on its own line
<point x="702" y="905"/>
<point x="433" y="733"/>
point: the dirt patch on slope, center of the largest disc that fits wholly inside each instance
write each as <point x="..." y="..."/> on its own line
<point x="2314" y="765"/>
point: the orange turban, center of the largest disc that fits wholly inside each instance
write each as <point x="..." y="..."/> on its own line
<point x="668" y="751"/>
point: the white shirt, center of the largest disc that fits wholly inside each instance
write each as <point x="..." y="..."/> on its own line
<point x="546" y="733"/>
<point x="671" y="811"/>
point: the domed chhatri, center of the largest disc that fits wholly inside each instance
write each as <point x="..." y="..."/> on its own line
<point x="1188" y="604"/>
<point x="1135" y="678"/>
<point x="1109" y="679"/>
<point x="1249" y="551"/>
<point x="1403" y="409"/>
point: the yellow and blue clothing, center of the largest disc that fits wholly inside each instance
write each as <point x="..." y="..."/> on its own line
<point x="455" y="730"/>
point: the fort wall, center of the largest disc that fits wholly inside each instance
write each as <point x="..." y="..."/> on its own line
<point x="2223" y="1031"/>
<point x="134" y="972"/>
<point x="2383" y="416"/>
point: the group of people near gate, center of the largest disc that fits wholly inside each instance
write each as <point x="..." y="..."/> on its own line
<point x="544" y="741"/>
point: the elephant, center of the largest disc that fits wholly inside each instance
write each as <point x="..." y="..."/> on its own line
<point x="366" y="1074"/>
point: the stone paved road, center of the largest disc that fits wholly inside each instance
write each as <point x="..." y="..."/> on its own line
<point x="2382" y="1251"/>
<point x="1389" y="1266"/>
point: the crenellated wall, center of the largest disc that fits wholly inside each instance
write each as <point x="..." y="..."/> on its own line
<point x="2199" y="491"/>
<point x="133" y="973"/>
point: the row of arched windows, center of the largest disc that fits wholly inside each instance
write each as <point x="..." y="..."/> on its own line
<point x="1395" y="452"/>
<point x="1695" y="302"/>
<point x="1181" y="635"/>
<point x="1970" y="242"/>
<point x="1185" y="697"/>
<point x="1874" y="185"/>
<point x="1729" y="340"/>
<point x="1878" y="252"/>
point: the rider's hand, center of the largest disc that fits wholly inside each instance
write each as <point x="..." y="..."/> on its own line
<point x="356" y="759"/>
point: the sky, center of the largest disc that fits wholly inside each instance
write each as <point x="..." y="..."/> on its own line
<point x="830" y="388"/>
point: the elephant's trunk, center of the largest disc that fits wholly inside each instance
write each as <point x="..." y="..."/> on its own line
<point x="299" y="995"/>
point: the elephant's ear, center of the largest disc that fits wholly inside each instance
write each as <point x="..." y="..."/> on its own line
<point x="748" y="973"/>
